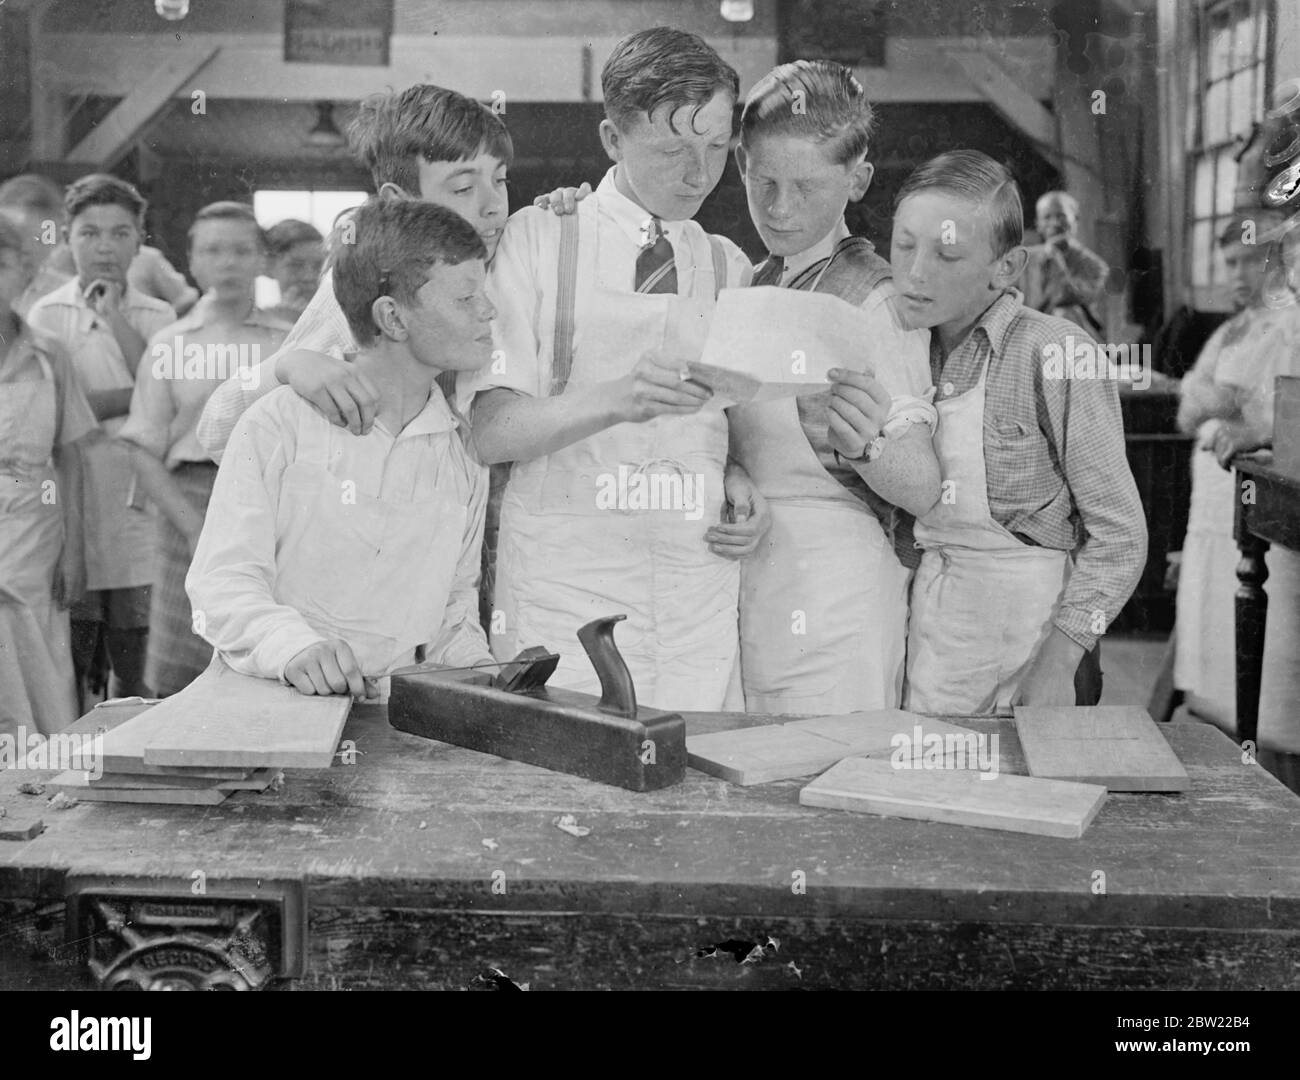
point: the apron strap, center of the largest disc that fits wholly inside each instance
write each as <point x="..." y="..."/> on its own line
<point x="565" y="300"/>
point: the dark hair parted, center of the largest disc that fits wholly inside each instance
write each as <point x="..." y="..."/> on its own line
<point x="387" y="247"/>
<point x="100" y="189"/>
<point x="289" y="233"/>
<point x="33" y="193"/>
<point x="811" y="99"/>
<point x="976" y="178"/>
<point x="391" y="131"/>
<point x="663" y="67"/>
<point x="229" y="211"/>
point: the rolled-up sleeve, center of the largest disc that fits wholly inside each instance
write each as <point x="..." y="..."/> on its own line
<point x="232" y="576"/>
<point x="153" y="409"/>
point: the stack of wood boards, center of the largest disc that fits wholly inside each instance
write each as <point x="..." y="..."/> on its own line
<point x="756" y="755"/>
<point x="1118" y="746"/>
<point x="224" y="732"/>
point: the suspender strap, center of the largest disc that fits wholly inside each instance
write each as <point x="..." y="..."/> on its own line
<point x="565" y="299"/>
<point x="719" y="265"/>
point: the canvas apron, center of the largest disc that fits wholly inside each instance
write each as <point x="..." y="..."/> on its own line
<point x="566" y="556"/>
<point x="982" y="601"/>
<point x="1204" y="657"/>
<point x="36" y="685"/>
<point x="375" y="572"/>
<point x="120" y="537"/>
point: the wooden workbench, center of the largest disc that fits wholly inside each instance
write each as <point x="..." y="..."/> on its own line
<point x="398" y="854"/>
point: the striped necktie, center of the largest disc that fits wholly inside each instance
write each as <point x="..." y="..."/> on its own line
<point x="656" y="271"/>
<point x="770" y="272"/>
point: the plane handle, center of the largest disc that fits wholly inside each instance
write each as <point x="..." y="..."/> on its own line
<point x="617" y="694"/>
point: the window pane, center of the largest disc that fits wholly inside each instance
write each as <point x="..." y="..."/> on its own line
<point x="1224" y="182"/>
<point x="1201" y="253"/>
<point x="1243" y="51"/>
<point x="1215" y="122"/>
<point x="1242" y="99"/>
<point x="1203" y="187"/>
<point x="1219" y="50"/>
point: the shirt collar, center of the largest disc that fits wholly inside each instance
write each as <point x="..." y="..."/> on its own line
<point x="436" y="418"/>
<point x="997" y="319"/>
<point x="797" y="264"/>
<point x="629" y="216"/>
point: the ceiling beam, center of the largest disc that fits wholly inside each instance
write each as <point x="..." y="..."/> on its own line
<point x="113" y="136"/>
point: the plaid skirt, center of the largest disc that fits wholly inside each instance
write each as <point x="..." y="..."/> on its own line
<point x="177" y="655"/>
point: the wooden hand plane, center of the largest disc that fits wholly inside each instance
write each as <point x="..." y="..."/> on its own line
<point x="515" y="715"/>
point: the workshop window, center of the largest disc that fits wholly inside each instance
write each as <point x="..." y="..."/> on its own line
<point x="318" y="208"/>
<point x="1226" y="86"/>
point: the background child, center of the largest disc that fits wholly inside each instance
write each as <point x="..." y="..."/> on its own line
<point x="183" y="364"/>
<point x="295" y="256"/>
<point x="1038" y="538"/>
<point x="43" y="415"/>
<point x="104" y="324"/>
<point x="330" y="558"/>
<point x="830" y="555"/>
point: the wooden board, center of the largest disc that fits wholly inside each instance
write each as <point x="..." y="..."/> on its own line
<point x="20" y="824"/>
<point x="230" y="720"/>
<point x="1117" y="746"/>
<point x="126" y="728"/>
<point x="756" y="755"/>
<point x="78" y="788"/>
<point x="256" y="780"/>
<point x="957" y="796"/>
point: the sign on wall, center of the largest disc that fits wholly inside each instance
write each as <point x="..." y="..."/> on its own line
<point x="338" y="31"/>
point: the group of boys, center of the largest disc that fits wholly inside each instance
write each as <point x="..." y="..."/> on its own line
<point x="345" y="526"/>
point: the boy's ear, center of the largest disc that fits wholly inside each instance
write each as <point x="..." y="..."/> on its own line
<point x="390" y="192"/>
<point x="1009" y="268"/>
<point x="387" y="319"/>
<point x="742" y="162"/>
<point x="863" y="173"/>
<point x="612" y="140"/>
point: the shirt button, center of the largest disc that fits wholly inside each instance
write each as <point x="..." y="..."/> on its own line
<point x="948" y="388"/>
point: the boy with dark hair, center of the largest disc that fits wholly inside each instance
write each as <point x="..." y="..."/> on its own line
<point x="424" y="143"/>
<point x="1038" y="537"/>
<point x="295" y="255"/>
<point x="104" y="323"/>
<point x="329" y="559"/>
<point x="222" y="336"/>
<point x="587" y="390"/>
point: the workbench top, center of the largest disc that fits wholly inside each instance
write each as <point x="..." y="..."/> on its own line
<point x="419" y="825"/>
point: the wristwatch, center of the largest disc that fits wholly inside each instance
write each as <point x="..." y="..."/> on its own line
<point x="870" y="452"/>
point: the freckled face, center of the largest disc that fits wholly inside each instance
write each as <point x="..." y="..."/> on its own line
<point x="450" y="324"/>
<point x="671" y="172"/>
<point x="796" y="193"/>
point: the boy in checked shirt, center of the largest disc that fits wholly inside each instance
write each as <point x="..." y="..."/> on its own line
<point x="1038" y="538"/>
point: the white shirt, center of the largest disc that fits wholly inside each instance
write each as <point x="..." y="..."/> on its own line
<point x="522" y="283"/>
<point x="232" y="579"/>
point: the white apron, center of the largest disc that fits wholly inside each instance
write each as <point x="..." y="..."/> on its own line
<point x="120" y="538"/>
<point x="1204" y="651"/>
<point x="823" y="603"/>
<point x="563" y="560"/>
<point x="375" y="572"/>
<point x="36" y="686"/>
<point x="982" y="601"/>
